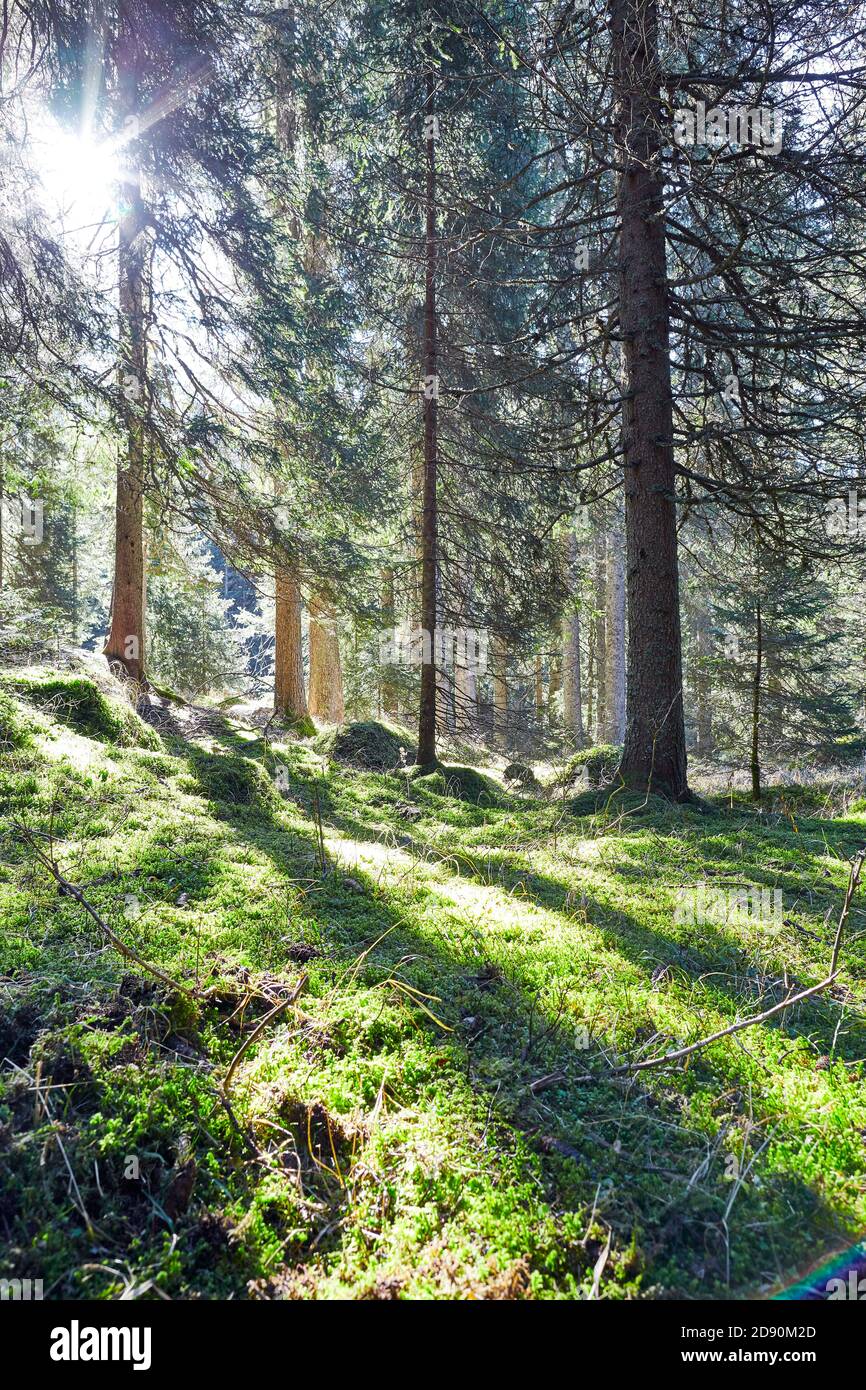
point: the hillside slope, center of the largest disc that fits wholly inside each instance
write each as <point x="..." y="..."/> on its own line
<point x="435" y="1115"/>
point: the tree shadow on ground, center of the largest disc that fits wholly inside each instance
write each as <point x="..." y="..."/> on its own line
<point x="596" y="1142"/>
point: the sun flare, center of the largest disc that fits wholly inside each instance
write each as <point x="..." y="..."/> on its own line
<point x="78" y="173"/>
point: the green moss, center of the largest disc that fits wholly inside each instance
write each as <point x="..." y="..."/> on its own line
<point x="389" y="1138"/>
<point x="14" y="733"/>
<point x="368" y="744"/>
<point x="78" y="702"/>
<point x="521" y="775"/>
<point x="595" y="765"/>
<point x="233" y="780"/>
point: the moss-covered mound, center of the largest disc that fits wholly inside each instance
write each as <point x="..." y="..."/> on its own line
<point x="521" y="775"/>
<point x="596" y="765"/>
<point x="79" y="702"/>
<point x="463" y="783"/>
<point x="14" y="733"/>
<point x="368" y="743"/>
<point x="231" y="780"/>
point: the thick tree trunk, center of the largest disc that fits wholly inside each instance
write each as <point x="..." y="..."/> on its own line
<point x="756" y="704"/>
<point x="655" y="749"/>
<point x="125" y="642"/>
<point x="429" y="514"/>
<point x="572" y="689"/>
<point x="326" y="673"/>
<point x="289" y="696"/>
<point x="615" y="628"/>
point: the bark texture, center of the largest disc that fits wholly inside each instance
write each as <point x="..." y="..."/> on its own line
<point x="599" y="645"/>
<point x="615" y="631"/>
<point x="326" y="673"/>
<point x="655" y="751"/>
<point x="289" y="695"/>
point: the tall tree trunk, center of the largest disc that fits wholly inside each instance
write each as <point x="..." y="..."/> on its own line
<point x="572" y="690"/>
<point x="655" y="746"/>
<point x="756" y="704"/>
<point x="289" y="696"/>
<point x="600" y="643"/>
<point x="615" y="627"/>
<point x="539" y="689"/>
<point x="429" y="513"/>
<point x="125" y="642"/>
<point x="326" y="673"/>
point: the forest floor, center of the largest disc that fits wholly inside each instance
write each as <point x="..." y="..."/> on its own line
<point x="436" y="1114"/>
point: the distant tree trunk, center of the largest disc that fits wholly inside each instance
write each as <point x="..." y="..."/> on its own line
<point x="326" y="673"/>
<point x="500" y="692"/>
<point x="125" y="642"/>
<point x="468" y="654"/>
<point x="465" y="691"/>
<point x="615" y="654"/>
<point x="655" y="748"/>
<point x="539" y="689"/>
<point x="388" y="694"/>
<point x="289" y="696"/>
<point x="590" y="679"/>
<point x="600" y="643"/>
<point x="572" y="689"/>
<point x="704" y="715"/>
<point x="554" y="685"/>
<point x="429" y="513"/>
<point x="74" y="529"/>
<point x="756" y="703"/>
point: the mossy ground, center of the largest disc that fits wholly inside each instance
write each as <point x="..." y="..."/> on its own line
<point x="389" y="1137"/>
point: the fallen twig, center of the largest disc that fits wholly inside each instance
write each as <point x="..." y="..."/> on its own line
<point x="118" y="944"/>
<point x="853" y="881"/>
<point x="259" y="1029"/>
